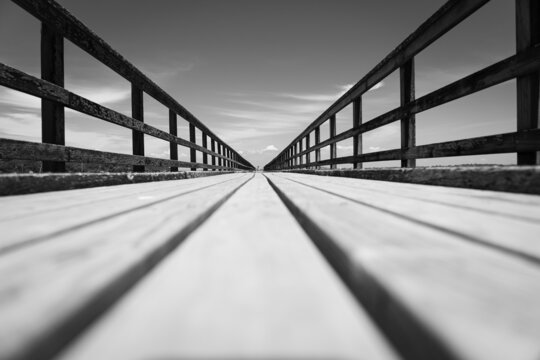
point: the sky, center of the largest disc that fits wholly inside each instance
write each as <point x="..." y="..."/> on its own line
<point x="258" y="72"/>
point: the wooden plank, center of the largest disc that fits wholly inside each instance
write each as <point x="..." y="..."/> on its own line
<point x="317" y="141"/>
<point x="52" y="114"/>
<point x="17" y="237"/>
<point x="18" y="184"/>
<point x="78" y="274"/>
<point x="491" y="228"/>
<point x="285" y="301"/>
<point x="434" y="294"/>
<point x="527" y="36"/>
<point x="213" y="147"/>
<point x="17" y="80"/>
<point x="524" y="140"/>
<point x="173" y="130"/>
<point x="307" y="147"/>
<point x="52" y="13"/>
<point x="15" y="149"/>
<point x="137" y="113"/>
<point x="408" y="123"/>
<point x="522" y="179"/>
<point x="518" y="65"/>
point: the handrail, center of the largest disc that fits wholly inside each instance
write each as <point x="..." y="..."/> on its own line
<point x="57" y="24"/>
<point x="524" y="66"/>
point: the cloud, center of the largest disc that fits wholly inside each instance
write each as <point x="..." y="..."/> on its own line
<point x="102" y="95"/>
<point x="18" y="99"/>
<point x="378" y="85"/>
<point x="270" y="148"/>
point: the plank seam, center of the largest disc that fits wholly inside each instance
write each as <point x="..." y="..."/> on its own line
<point x="462" y="236"/>
<point x="17" y="246"/>
<point x="47" y="348"/>
<point x="411" y="338"/>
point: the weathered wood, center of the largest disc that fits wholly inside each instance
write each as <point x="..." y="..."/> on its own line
<point x="213" y="147"/>
<point x="53" y="14"/>
<point x="357" y="121"/>
<point x="408" y="123"/>
<point x="23" y="150"/>
<point x="521" y="64"/>
<point x="333" y="147"/>
<point x="527" y="36"/>
<point x="106" y="259"/>
<point x="526" y="140"/>
<point x="137" y="113"/>
<point x="511" y="235"/>
<point x="307" y="147"/>
<point x="20" y="81"/>
<point x="192" y="139"/>
<point x="448" y="16"/>
<point x="17" y="184"/>
<point x="173" y="130"/>
<point x="52" y="114"/>
<point x="437" y="304"/>
<point x="317" y="141"/>
<point x="523" y="179"/>
<point x="276" y="270"/>
<point x="205" y="145"/>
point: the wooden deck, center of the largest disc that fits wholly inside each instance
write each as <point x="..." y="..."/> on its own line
<point x="270" y="266"/>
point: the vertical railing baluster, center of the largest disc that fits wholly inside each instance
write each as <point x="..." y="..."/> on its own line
<point x="317" y="141"/>
<point x="220" y="160"/>
<point x="52" y="114"/>
<point x="173" y="130"/>
<point x="192" y="139"/>
<point x="527" y="36"/>
<point x="205" y="155"/>
<point x="308" y="154"/>
<point x="300" y="149"/>
<point x="357" y="121"/>
<point x="408" y="123"/>
<point x="213" y="148"/>
<point x="333" y="147"/>
<point x="137" y="112"/>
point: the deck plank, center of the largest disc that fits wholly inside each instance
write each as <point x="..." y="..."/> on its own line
<point x="434" y="293"/>
<point x="491" y="226"/>
<point x="51" y="290"/>
<point x="248" y="284"/>
<point x="54" y="213"/>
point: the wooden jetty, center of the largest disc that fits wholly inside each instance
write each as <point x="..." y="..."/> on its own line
<point x="297" y="262"/>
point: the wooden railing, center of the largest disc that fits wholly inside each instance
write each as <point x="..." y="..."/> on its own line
<point x="58" y="24"/>
<point x="523" y="66"/>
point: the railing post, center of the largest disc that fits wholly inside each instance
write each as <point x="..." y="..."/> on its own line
<point x="408" y="123"/>
<point x="295" y="154"/>
<point x="300" y="149"/>
<point x="527" y="36"/>
<point x="137" y="112"/>
<point x="173" y="130"/>
<point x="205" y="155"/>
<point x="192" y="139"/>
<point x="333" y="146"/>
<point x="213" y="147"/>
<point x="52" y="114"/>
<point x="317" y="141"/>
<point x="220" y="160"/>
<point x="357" y="121"/>
<point x="307" y="154"/>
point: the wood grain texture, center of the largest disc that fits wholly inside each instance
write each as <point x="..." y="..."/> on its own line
<point x="252" y="292"/>
<point x="79" y="272"/>
<point x="522" y="179"/>
<point x="20" y="81"/>
<point x="518" y="65"/>
<point x="436" y="295"/>
<point x="493" y="228"/>
<point x="18" y="184"/>
<point x="442" y="21"/>
<point x="53" y="14"/>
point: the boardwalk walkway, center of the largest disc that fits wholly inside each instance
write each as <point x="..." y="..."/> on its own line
<point x="270" y="266"/>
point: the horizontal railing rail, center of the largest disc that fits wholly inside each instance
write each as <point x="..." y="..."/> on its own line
<point x="523" y="66"/>
<point x="57" y="24"/>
